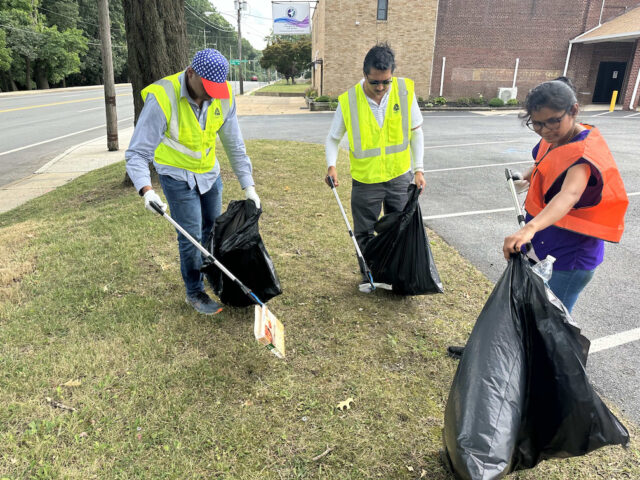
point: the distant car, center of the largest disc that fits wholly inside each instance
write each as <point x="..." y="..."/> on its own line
<point x="254" y="78"/>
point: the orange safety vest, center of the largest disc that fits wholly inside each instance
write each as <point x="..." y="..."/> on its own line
<point x="605" y="220"/>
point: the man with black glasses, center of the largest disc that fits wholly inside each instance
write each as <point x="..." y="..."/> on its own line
<point x="382" y="118"/>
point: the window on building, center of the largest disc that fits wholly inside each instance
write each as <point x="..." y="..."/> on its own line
<point x="383" y="6"/>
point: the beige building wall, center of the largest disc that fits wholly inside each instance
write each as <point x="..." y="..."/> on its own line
<point x="343" y="31"/>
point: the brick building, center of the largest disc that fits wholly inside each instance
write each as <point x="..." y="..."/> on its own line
<point x="463" y="48"/>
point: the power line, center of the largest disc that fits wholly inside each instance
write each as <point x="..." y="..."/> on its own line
<point x="204" y="20"/>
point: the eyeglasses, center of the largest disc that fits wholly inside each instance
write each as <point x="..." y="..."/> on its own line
<point x="379" y="82"/>
<point x="551" y="124"/>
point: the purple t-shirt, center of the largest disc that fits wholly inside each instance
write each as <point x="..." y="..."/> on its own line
<point x="573" y="251"/>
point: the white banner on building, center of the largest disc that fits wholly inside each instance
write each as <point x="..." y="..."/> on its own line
<point x="291" y="18"/>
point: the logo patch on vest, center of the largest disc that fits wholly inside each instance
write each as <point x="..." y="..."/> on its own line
<point x="396" y="108"/>
<point x="217" y="112"/>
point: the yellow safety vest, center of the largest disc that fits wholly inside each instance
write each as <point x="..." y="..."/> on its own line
<point x="378" y="154"/>
<point x="185" y="144"/>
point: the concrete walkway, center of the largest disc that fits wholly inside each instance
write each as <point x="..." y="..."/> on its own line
<point x="93" y="154"/>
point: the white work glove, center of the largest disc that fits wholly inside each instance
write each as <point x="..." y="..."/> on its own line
<point x="151" y="196"/>
<point x="520" y="185"/>
<point x="250" y="194"/>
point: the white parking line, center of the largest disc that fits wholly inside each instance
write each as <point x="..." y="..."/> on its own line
<point x="632" y="115"/>
<point x="90" y="109"/>
<point x="475" y="166"/>
<point x="470" y="144"/>
<point x="470" y="212"/>
<point x="599" y="114"/>
<point x="615" y="340"/>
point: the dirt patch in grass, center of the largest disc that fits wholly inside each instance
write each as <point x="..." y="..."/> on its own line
<point x="15" y="258"/>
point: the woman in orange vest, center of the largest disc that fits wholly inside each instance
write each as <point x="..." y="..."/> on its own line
<point x="576" y="198"/>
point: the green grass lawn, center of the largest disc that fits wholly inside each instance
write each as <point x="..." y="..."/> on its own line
<point x="283" y="87"/>
<point x="105" y="372"/>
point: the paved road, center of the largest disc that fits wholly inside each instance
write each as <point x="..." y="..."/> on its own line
<point x="35" y="127"/>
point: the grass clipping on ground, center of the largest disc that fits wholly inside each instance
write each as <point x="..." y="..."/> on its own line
<point x="107" y="373"/>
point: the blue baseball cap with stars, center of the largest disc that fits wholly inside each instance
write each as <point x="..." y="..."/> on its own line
<point x="212" y="68"/>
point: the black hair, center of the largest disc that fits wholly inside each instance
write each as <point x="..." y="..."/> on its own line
<point x="558" y="94"/>
<point x="380" y="57"/>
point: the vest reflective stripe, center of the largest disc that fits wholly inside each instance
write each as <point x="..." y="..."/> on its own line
<point x="604" y="220"/>
<point x="369" y="162"/>
<point x="355" y="119"/>
<point x="167" y="91"/>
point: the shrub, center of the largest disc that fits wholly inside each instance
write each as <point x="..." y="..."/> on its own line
<point x="333" y="105"/>
<point x="311" y="92"/>
<point x="439" y="100"/>
<point x="512" y="101"/>
<point x="496" y="102"/>
<point x="479" y="100"/>
<point x="322" y="98"/>
<point x="420" y="99"/>
<point x="465" y="101"/>
<point x="333" y="99"/>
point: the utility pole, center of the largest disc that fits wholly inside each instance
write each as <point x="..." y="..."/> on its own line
<point x="240" y="5"/>
<point x="204" y="34"/>
<point x="107" y="70"/>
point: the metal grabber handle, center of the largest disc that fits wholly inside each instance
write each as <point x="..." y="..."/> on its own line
<point x="206" y="253"/>
<point x="361" y="261"/>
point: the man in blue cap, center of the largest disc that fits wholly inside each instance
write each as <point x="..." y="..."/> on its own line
<point x="177" y="130"/>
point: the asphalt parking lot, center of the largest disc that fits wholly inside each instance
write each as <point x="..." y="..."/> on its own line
<point x="467" y="203"/>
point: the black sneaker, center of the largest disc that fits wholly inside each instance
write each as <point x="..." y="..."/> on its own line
<point x="203" y="304"/>
<point x="455" y="352"/>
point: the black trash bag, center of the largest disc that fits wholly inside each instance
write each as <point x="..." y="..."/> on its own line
<point x="521" y="393"/>
<point x="399" y="254"/>
<point x="236" y="243"/>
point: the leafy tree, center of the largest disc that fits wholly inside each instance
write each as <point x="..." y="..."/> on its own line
<point x="35" y="44"/>
<point x="91" y="62"/>
<point x="288" y="57"/>
<point x="58" y="55"/>
<point x="5" y="53"/>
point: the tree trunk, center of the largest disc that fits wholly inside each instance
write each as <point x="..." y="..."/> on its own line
<point x="27" y="80"/>
<point x="156" y="41"/>
<point x="42" y="82"/>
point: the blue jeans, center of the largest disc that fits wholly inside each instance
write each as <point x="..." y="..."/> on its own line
<point x="196" y="213"/>
<point x="567" y="285"/>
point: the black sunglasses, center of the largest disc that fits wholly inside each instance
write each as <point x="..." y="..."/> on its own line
<point x="379" y="82"/>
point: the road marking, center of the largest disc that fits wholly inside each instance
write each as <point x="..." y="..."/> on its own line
<point x="476" y="166"/>
<point x="90" y="109"/>
<point x="471" y="212"/>
<point x="600" y="114"/>
<point x="60" y="138"/>
<point x="482" y="212"/>
<point x="632" y="115"/>
<point x="470" y="144"/>
<point x="615" y="340"/>
<point x="58" y="103"/>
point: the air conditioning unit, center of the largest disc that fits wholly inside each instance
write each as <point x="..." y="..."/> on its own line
<point x="506" y="94"/>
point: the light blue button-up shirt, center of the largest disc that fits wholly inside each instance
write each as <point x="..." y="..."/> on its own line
<point x="150" y="130"/>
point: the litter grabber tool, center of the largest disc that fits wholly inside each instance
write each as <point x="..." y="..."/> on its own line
<point x="268" y="330"/>
<point x="510" y="178"/>
<point x="363" y="287"/>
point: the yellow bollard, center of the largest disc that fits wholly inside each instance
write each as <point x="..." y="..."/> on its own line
<point x="614" y="97"/>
